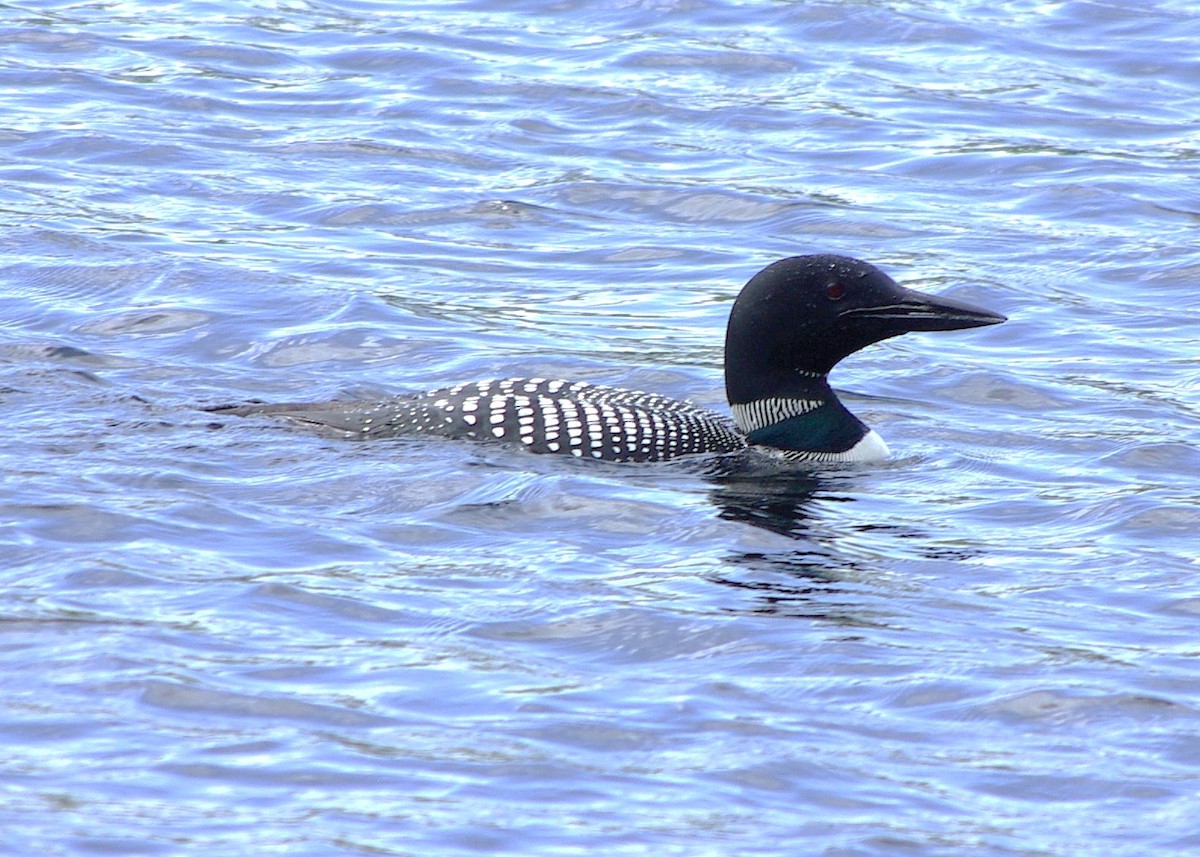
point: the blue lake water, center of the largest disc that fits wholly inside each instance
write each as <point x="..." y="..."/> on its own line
<point x="241" y="637"/>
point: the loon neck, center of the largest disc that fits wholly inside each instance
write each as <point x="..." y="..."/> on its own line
<point x="806" y="418"/>
<point x="802" y="393"/>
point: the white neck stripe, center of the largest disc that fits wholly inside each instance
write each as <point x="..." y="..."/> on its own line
<point x="752" y="416"/>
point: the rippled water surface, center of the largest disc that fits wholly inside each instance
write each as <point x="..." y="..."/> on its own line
<point x="240" y="637"/>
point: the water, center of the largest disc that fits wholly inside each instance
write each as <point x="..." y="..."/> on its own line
<point x="244" y="638"/>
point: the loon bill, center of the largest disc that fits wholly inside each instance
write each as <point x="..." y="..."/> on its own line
<point x="791" y="324"/>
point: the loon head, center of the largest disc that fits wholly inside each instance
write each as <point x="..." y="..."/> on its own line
<point x="794" y="321"/>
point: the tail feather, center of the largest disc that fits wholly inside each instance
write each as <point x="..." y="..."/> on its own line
<point x="351" y="417"/>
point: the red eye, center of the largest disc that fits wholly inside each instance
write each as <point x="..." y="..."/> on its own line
<point x="835" y="291"/>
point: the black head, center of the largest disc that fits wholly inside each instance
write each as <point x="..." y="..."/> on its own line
<point x="798" y="317"/>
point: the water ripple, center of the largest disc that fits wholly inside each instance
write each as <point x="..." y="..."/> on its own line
<point x="238" y="635"/>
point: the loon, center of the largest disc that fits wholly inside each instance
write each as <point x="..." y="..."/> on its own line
<point x="791" y="324"/>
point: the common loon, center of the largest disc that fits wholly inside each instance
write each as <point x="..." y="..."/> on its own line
<point x="791" y="324"/>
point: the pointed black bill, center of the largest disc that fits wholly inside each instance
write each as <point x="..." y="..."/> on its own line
<point x="918" y="311"/>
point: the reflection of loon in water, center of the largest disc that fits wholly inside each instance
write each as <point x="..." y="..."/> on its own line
<point x="791" y="324"/>
<point x="797" y="578"/>
<point x="820" y="570"/>
<point x="776" y="502"/>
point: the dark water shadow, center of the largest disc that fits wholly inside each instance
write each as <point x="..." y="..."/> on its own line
<point x="823" y="569"/>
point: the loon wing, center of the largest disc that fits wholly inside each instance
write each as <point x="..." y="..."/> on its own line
<point x="580" y="419"/>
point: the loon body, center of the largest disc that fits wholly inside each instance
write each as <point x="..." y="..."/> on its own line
<point x="791" y="324"/>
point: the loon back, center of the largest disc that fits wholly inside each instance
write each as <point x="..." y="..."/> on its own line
<point x="575" y="418"/>
<point x="792" y="322"/>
